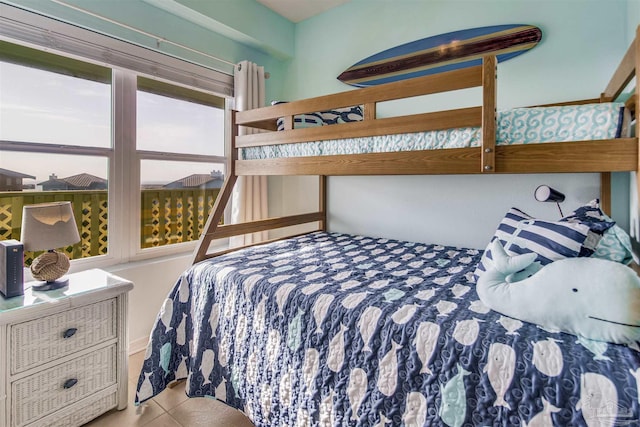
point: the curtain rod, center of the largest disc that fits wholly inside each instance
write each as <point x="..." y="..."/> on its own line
<point x="128" y="27"/>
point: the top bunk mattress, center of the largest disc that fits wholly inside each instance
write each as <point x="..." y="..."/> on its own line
<point x="516" y="126"/>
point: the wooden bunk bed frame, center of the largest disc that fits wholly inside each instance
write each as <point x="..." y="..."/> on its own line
<point x="604" y="156"/>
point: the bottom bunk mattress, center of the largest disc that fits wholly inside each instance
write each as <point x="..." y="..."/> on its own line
<point x="338" y="330"/>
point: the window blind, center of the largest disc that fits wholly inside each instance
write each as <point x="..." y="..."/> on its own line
<point x="45" y="33"/>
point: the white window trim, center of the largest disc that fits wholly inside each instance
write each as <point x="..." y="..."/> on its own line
<point x="127" y="61"/>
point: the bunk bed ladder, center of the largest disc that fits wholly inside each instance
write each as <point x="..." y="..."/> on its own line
<point x="213" y="230"/>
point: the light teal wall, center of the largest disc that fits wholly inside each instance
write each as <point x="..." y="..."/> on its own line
<point x="256" y="24"/>
<point x="583" y="40"/>
<point x="226" y="37"/>
<point x="633" y="18"/>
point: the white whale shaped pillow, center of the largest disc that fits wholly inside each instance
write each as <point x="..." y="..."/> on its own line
<point x="592" y="298"/>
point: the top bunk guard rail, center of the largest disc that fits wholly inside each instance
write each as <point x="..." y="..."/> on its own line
<point x="265" y="117"/>
<point x="603" y="156"/>
<point x="466" y="161"/>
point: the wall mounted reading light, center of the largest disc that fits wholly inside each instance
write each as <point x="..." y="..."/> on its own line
<point x="544" y="193"/>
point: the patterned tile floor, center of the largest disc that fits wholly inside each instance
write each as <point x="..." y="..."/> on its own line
<point x="171" y="408"/>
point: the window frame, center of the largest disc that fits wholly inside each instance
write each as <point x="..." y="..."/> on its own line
<point x="25" y="28"/>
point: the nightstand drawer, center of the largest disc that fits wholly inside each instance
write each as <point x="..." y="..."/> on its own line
<point x="42" y="340"/>
<point x="81" y="412"/>
<point x="47" y="391"/>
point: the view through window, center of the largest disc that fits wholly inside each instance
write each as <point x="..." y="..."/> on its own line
<point x="177" y="193"/>
<point x="57" y="143"/>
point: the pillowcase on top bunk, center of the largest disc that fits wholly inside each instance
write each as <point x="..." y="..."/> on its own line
<point x="520" y="233"/>
<point x="560" y="123"/>
<point x="342" y="115"/>
<point x="300" y="121"/>
<point x="320" y="118"/>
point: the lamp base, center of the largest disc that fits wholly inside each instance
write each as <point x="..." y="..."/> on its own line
<point x="50" y="286"/>
<point x="49" y="267"/>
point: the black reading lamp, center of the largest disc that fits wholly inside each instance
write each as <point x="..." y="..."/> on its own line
<point x="544" y="193"/>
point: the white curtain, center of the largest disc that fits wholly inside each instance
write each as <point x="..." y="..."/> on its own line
<point x="249" y="199"/>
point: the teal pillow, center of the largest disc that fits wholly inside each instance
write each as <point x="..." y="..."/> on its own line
<point x="615" y="245"/>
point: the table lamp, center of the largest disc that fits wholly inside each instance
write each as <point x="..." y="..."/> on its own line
<point x="47" y="226"/>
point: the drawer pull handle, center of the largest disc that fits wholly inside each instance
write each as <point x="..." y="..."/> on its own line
<point x="70" y="383"/>
<point x="69" y="332"/>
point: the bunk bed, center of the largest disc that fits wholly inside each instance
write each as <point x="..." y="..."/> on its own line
<point x="333" y="329"/>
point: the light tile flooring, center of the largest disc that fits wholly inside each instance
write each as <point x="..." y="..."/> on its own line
<point x="171" y="408"/>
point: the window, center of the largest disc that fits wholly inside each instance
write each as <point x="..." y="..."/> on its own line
<point x="50" y="116"/>
<point x="185" y="129"/>
<point x="142" y="159"/>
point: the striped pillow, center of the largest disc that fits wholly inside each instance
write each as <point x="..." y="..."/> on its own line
<point x="320" y="118"/>
<point x="550" y="240"/>
<point x="342" y="115"/>
<point x="301" y="121"/>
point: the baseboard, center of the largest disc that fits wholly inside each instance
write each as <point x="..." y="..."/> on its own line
<point x="138" y="345"/>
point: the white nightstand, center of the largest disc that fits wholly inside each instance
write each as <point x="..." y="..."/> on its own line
<point x="63" y="353"/>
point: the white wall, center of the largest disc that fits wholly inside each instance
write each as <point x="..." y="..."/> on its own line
<point x="582" y="43"/>
<point x="455" y="210"/>
<point x="152" y="281"/>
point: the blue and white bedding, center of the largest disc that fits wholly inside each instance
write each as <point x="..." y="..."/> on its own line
<point x="339" y="330"/>
<point x="517" y="126"/>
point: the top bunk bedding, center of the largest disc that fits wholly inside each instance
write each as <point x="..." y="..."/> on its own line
<point x="598" y="121"/>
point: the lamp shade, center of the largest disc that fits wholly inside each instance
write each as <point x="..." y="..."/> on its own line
<point x="48" y="226"/>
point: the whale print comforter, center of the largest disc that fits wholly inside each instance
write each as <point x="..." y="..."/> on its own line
<point x="337" y="330"/>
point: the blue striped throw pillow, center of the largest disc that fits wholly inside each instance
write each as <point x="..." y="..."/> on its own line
<point x="519" y="233"/>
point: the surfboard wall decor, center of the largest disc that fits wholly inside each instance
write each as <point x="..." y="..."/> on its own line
<point x="444" y="52"/>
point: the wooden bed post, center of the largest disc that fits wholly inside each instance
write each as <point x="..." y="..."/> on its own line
<point x="628" y="68"/>
<point x="605" y="192"/>
<point x="369" y="112"/>
<point x="213" y="229"/>
<point x="489" y="114"/>
<point x="322" y="203"/>
<point x="637" y="115"/>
